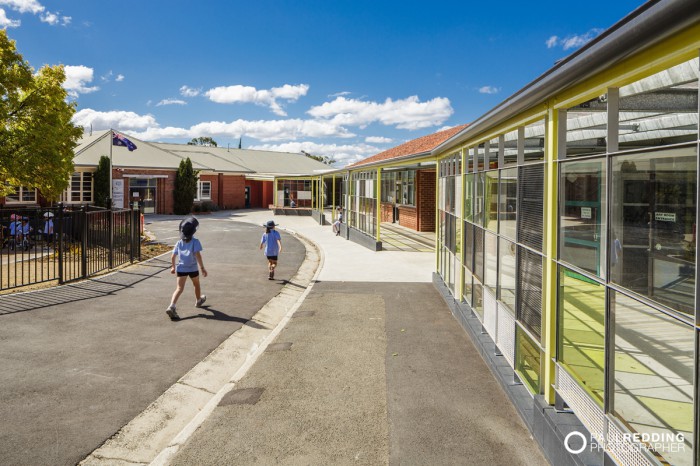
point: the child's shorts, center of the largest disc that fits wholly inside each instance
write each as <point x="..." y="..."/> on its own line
<point x="188" y="274"/>
<point x="272" y="258"/>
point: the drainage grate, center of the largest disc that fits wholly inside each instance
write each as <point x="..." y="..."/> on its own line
<point x="244" y="396"/>
<point x="279" y="347"/>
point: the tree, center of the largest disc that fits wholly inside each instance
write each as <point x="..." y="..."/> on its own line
<point x="37" y="137"/>
<point x="185" y="187"/>
<point x="101" y="182"/>
<point x="321" y="158"/>
<point x="203" y="141"/>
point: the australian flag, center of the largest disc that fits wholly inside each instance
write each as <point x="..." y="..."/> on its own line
<point x="119" y="140"/>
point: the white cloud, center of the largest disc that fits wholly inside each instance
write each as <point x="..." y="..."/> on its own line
<point x="187" y="91"/>
<point x="77" y="79"/>
<point x="343" y="154"/>
<point x="122" y="120"/>
<point x="6" y="22"/>
<point x="378" y="140"/>
<point x="573" y="41"/>
<point x="263" y="97"/>
<point x="488" y="90"/>
<point x="119" y="78"/>
<point x="171" y="102"/>
<point x="33" y="7"/>
<point x="23" y="6"/>
<point x="51" y="18"/>
<point x="146" y="127"/>
<point x="409" y="113"/>
<point x="340" y="94"/>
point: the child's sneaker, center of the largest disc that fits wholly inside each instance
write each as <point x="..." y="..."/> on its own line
<point x="172" y="313"/>
<point x="200" y="301"/>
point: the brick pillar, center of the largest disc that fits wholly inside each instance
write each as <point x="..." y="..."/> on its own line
<point x="425" y="199"/>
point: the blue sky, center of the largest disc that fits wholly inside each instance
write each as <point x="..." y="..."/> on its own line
<point x="346" y="79"/>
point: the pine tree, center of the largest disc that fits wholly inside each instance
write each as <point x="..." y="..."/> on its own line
<point x="185" y="187"/>
<point x="101" y="181"/>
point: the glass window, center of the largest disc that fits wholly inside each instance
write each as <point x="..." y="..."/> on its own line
<point x="491" y="261"/>
<point x="506" y="274"/>
<point x="653" y="379"/>
<point x="478" y="299"/>
<point x="508" y="202"/>
<point x="480" y="180"/>
<point x="653" y="225"/>
<point x="528" y="359"/>
<point x="586" y="127"/>
<point x="22" y="194"/>
<point x="478" y="254"/>
<point x="203" y="191"/>
<point x="530" y="290"/>
<point x="493" y="154"/>
<point x="582" y="215"/>
<point x="534" y="141"/>
<point x="469" y="197"/>
<point x="510" y="149"/>
<point x="491" y="201"/>
<point x="467" y="293"/>
<point x="581" y="335"/>
<point x="661" y="109"/>
<point x="531" y="205"/>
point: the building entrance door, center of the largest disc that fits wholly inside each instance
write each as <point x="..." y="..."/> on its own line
<point x="144" y="191"/>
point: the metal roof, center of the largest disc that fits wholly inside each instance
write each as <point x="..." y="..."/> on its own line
<point x="167" y="156"/>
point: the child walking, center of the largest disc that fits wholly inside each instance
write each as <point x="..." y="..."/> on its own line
<point x="189" y="261"/>
<point x="338" y="221"/>
<point x="272" y="242"/>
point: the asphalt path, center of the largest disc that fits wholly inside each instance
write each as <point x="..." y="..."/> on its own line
<point x="366" y="373"/>
<point x="80" y="361"/>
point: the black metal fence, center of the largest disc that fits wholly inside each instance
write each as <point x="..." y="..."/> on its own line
<point x="65" y="243"/>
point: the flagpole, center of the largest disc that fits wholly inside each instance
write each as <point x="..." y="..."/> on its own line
<point x="111" y="136"/>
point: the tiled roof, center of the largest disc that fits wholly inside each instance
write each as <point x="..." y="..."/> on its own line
<point x="414" y="147"/>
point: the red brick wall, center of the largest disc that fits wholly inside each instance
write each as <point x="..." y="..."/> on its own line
<point x="425" y="200"/>
<point x="387" y="212"/>
<point x="233" y="192"/>
<point x="408" y="217"/>
<point x="268" y="194"/>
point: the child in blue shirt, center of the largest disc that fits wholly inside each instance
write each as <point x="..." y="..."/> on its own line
<point x="272" y="242"/>
<point x="187" y="251"/>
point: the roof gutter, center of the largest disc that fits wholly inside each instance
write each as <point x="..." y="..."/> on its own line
<point x="635" y="32"/>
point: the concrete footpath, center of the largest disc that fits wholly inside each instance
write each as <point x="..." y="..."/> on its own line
<point x="351" y="356"/>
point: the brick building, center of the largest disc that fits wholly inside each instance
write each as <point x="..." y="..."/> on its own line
<point x="228" y="178"/>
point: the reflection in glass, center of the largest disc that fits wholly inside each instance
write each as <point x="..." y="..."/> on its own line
<point x="467" y="292"/>
<point x="480" y="179"/>
<point x="660" y="109"/>
<point x="527" y="361"/>
<point x="491" y="201"/>
<point x="508" y="202"/>
<point x="653" y="390"/>
<point x="534" y="141"/>
<point x="469" y="197"/>
<point x="587" y="127"/>
<point x="478" y="300"/>
<point x="506" y="274"/>
<point x="582" y="215"/>
<point x="581" y="338"/>
<point x="493" y="154"/>
<point x="491" y="261"/>
<point x="510" y="148"/>
<point x="653" y="221"/>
